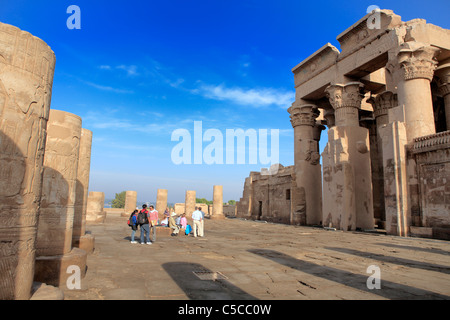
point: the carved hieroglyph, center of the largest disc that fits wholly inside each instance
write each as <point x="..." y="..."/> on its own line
<point x="56" y="215"/>
<point x="26" y="76"/>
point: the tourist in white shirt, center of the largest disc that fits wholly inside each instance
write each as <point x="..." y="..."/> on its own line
<point x="197" y="217"/>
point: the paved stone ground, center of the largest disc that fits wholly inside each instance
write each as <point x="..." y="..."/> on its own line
<point x="255" y="260"/>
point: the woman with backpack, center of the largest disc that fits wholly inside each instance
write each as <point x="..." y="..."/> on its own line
<point x="132" y="222"/>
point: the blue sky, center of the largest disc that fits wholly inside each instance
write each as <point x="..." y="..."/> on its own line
<point x="138" y="70"/>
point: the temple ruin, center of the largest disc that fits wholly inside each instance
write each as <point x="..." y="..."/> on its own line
<point x="384" y="98"/>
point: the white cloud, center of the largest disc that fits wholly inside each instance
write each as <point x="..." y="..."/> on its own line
<point x="251" y="97"/>
<point x="106" y="88"/>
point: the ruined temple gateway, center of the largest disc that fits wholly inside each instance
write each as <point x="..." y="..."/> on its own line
<point x="385" y="99"/>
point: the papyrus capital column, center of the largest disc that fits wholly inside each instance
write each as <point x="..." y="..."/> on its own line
<point x="306" y="208"/>
<point x="381" y="104"/>
<point x="443" y="73"/>
<point x="418" y="63"/>
<point x="346" y="101"/>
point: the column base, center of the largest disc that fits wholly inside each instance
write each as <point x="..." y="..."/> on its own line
<point x="42" y="291"/>
<point x="86" y="243"/>
<point x="52" y="270"/>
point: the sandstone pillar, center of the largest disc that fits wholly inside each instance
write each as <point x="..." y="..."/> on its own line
<point x="417" y="62"/>
<point x="95" y="205"/>
<point x="56" y="215"/>
<point x="217" y="208"/>
<point x="130" y="202"/>
<point x="347" y="180"/>
<point x="26" y="76"/>
<point x="381" y="104"/>
<point x="80" y="238"/>
<point x="306" y="200"/>
<point x="161" y="202"/>
<point x="443" y="72"/>
<point x="189" y="203"/>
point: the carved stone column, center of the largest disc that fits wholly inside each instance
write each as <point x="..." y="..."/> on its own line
<point x="54" y="251"/>
<point x="161" y="202"/>
<point x="306" y="199"/>
<point x="417" y="62"/>
<point x="443" y="72"/>
<point x="26" y="75"/>
<point x="189" y="203"/>
<point x="80" y="238"/>
<point x="130" y="202"/>
<point x="95" y="206"/>
<point x="381" y="104"/>
<point x="347" y="178"/>
<point x="217" y="209"/>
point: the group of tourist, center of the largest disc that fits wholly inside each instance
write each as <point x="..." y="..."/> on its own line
<point x="148" y="220"/>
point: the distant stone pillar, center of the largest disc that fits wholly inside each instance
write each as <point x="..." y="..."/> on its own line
<point x="80" y="238"/>
<point x="130" y="202"/>
<point x="443" y="72"/>
<point x="418" y="62"/>
<point x="95" y="206"/>
<point x="189" y="202"/>
<point x="217" y="208"/>
<point x="347" y="178"/>
<point x="26" y="75"/>
<point x="161" y="202"/>
<point x="306" y="200"/>
<point x="55" y="229"/>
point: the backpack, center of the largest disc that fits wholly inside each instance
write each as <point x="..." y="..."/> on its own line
<point x="142" y="217"/>
<point x="130" y="220"/>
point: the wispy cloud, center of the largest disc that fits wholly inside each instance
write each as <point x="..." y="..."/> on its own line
<point x="252" y="97"/>
<point x="130" y="70"/>
<point x="106" y="88"/>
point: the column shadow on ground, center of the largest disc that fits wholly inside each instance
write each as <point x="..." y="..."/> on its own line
<point x="430" y="250"/>
<point x="196" y="289"/>
<point x="400" y="261"/>
<point x="389" y="290"/>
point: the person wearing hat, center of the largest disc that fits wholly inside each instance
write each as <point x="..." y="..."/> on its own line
<point x="173" y="225"/>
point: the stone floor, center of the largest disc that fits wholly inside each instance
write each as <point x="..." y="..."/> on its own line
<point x="239" y="260"/>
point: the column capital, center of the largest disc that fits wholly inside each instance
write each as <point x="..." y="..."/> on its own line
<point x="345" y="95"/>
<point x="303" y="114"/>
<point x="443" y="73"/>
<point x="417" y="60"/>
<point x="383" y="102"/>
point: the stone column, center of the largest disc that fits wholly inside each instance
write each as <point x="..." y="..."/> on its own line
<point x="95" y="205"/>
<point x="130" y="202"/>
<point x="306" y="200"/>
<point x="217" y="208"/>
<point x="80" y="238"/>
<point x="381" y="104"/>
<point x="189" y="203"/>
<point x="26" y="75"/>
<point x="56" y="216"/>
<point x="347" y="179"/>
<point x="417" y="62"/>
<point x="161" y="202"/>
<point x="443" y="72"/>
